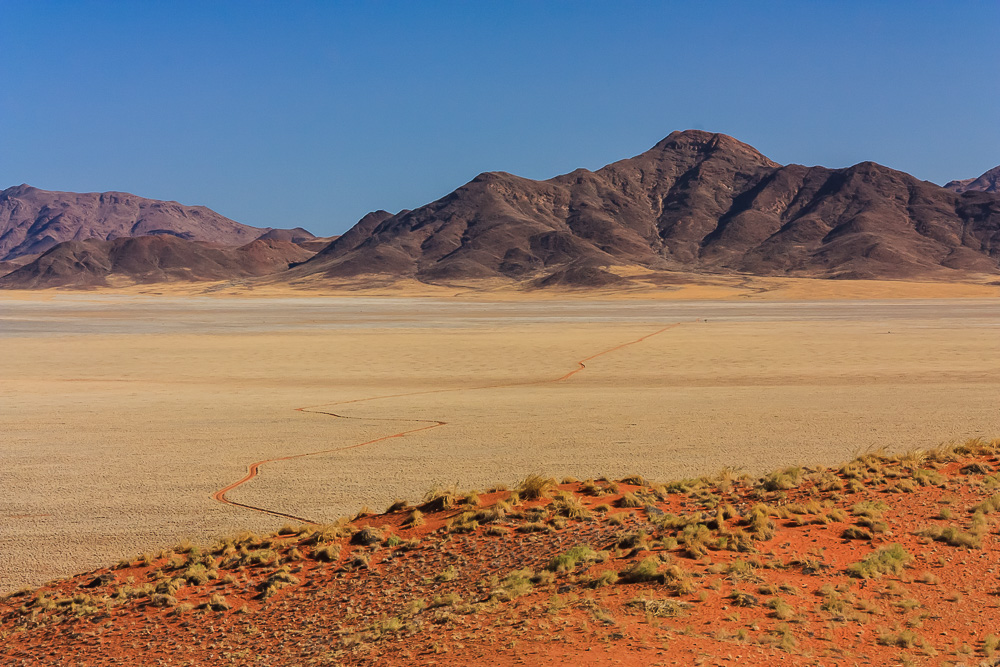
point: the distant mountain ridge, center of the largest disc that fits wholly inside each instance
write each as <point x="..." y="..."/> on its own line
<point x="33" y="221"/>
<point x="988" y="182"/>
<point x="151" y="259"/>
<point x="696" y="201"/>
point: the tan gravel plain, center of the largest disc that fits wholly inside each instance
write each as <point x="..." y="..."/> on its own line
<point x="121" y="413"/>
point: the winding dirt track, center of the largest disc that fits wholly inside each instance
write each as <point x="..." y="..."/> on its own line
<point x="254" y="468"/>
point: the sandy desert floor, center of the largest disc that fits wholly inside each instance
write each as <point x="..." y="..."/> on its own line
<point x="121" y="414"/>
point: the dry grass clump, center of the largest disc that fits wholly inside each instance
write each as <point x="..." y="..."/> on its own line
<point x="216" y="603"/>
<point x="901" y="639"/>
<point x="416" y="518"/>
<point x="571" y="508"/>
<point x="695" y="539"/>
<point x="397" y="506"/>
<point x="783" y="480"/>
<point x="743" y="599"/>
<point x="630" y="500"/>
<point x="988" y="506"/>
<point x="648" y="569"/>
<point x="888" y="559"/>
<point x="367" y="536"/>
<point x="857" y="533"/>
<point x="758" y="522"/>
<point x="568" y="561"/>
<point x="602" y="578"/>
<point x="439" y="500"/>
<point x="275" y="582"/>
<point x="514" y="585"/>
<point x="952" y="536"/>
<point x="327" y="553"/>
<point x="661" y="607"/>
<point x="535" y="487"/>
<point x="259" y="557"/>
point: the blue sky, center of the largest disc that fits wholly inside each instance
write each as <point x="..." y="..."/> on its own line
<point x="313" y="113"/>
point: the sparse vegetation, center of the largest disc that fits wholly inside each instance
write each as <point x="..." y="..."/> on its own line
<point x="887" y="560"/>
<point x="673" y="559"/>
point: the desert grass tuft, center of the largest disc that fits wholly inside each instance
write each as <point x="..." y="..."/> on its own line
<point x="890" y="559"/>
<point x="535" y="487"/>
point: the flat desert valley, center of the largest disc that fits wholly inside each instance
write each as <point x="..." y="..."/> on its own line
<point x="122" y="415"/>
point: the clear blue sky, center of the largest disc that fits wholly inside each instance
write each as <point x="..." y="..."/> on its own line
<point x="313" y="113"/>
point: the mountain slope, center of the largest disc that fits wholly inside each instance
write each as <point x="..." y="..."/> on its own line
<point x="696" y="201"/>
<point x="988" y="182"/>
<point x="33" y="221"/>
<point x="148" y="259"/>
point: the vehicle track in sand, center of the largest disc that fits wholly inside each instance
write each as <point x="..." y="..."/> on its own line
<point x="254" y="468"/>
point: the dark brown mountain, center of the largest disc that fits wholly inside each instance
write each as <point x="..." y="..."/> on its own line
<point x="33" y="220"/>
<point x="988" y="182"/>
<point x="696" y="202"/>
<point x="149" y="259"/>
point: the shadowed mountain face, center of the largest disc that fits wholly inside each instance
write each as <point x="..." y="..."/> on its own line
<point x="149" y="259"/>
<point x="697" y="202"/>
<point x="988" y="182"/>
<point x="33" y="221"/>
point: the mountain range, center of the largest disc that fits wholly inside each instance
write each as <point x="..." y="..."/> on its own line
<point x="988" y="182"/>
<point x="695" y="202"/>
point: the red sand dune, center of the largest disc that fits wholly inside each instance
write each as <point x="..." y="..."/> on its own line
<point x="885" y="560"/>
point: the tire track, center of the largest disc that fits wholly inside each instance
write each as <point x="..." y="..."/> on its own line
<point x="254" y="468"/>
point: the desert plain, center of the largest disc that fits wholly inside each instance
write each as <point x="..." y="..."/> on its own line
<point x="123" y="413"/>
